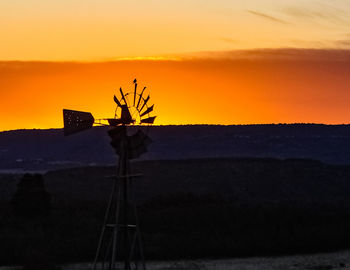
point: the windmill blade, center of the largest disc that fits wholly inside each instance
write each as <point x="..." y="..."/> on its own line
<point x="137" y="144"/>
<point x="144" y="103"/>
<point x="138" y="103"/>
<point x="115" y="121"/>
<point x="116" y="135"/>
<point x="137" y="152"/>
<point x="139" y="138"/>
<point x="76" y="121"/>
<point x="147" y="111"/>
<point x="117" y="101"/>
<point x="135" y="82"/>
<point x="149" y="120"/>
<point x="123" y="97"/>
<point x="126" y="116"/>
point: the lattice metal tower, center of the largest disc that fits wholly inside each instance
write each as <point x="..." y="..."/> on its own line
<point x="120" y="237"/>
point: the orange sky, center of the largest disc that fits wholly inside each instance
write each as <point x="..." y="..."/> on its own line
<point x="266" y="86"/>
<point x="210" y="62"/>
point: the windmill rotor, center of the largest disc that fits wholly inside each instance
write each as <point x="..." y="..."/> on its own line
<point x="132" y="109"/>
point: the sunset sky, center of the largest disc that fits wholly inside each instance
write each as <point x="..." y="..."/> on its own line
<point x="204" y="62"/>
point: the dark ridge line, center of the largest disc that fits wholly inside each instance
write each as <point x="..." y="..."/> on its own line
<point x="199" y="125"/>
<point x="204" y="159"/>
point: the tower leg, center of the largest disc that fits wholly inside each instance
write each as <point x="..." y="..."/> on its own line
<point x="138" y="232"/>
<point x="117" y="218"/>
<point x="107" y="214"/>
<point x="115" y="233"/>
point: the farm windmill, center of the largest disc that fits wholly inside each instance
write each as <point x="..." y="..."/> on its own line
<point x="128" y="131"/>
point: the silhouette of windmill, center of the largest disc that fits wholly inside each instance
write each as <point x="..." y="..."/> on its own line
<point x="130" y="140"/>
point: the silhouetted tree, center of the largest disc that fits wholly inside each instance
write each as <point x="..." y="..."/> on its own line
<point x="31" y="199"/>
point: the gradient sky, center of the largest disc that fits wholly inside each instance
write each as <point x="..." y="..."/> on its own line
<point x="98" y="30"/>
<point x="204" y="62"/>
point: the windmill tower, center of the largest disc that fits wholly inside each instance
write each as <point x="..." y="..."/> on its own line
<point x="120" y="238"/>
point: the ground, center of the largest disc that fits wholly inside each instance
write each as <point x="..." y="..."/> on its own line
<point x="322" y="261"/>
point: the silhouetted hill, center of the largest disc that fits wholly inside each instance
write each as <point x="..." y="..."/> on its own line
<point x="49" y="149"/>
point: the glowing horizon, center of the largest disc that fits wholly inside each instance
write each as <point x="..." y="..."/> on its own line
<point x="242" y="87"/>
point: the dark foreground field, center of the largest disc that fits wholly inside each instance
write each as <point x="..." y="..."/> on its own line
<point x="205" y="208"/>
<point x="321" y="261"/>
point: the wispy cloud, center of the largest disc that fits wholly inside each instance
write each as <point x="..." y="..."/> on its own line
<point x="325" y="14"/>
<point x="311" y="44"/>
<point x="344" y="42"/>
<point x="267" y="17"/>
<point x="282" y="54"/>
<point x="228" y="40"/>
<point x="301" y="12"/>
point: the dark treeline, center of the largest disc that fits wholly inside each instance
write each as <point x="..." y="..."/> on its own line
<point x="261" y="207"/>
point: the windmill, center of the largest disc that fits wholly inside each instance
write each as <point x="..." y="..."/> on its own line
<point x="128" y="132"/>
